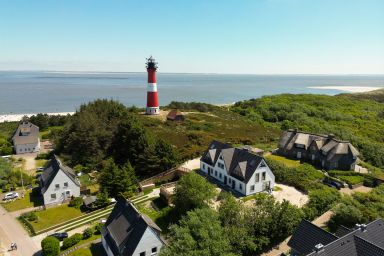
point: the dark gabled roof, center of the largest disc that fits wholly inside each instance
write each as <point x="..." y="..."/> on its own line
<point x="125" y="228"/>
<point x="326" y="143"/>
<point x="239" y="162"/>
<point x="367" y="240"/>
<point x="307" y="235"/>
<point x="52" y="169"/>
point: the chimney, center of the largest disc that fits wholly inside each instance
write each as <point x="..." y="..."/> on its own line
<point x="319" y="247"/>
<point x="363" y="227"/>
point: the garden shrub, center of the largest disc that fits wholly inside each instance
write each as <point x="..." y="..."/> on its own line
<point x="50" y="246"/>
<point x="76" y="202"/>
<point x="88" y="232"/>
<point x="72" y="240"/>
<point x="98" y="227"/>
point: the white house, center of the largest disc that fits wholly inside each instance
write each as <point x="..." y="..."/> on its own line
<point x="58" y="183"/>
<point x="26" y="137"/>
<point x="127" y="232"/>
<point x="238" y="168"/>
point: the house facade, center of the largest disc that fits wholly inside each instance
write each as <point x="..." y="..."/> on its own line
<point x="58" y="183"/>
<point x="238" y="168"/>
<point x="363" y="240"/>
<point x="26" y="138"/>
<point x="324" y="151"/>
<point x="129" y="233"/>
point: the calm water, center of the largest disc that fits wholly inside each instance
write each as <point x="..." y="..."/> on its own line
<point x="33" y="92"/>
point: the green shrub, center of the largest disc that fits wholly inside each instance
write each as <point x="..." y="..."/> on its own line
<point x="98" y="227"/>
<point x="72" y="240"/>
<point x="76" y="202"/>
<point x="88" y="232"/>
<point x="50" y="246"/>
<point x="30" y="216"/>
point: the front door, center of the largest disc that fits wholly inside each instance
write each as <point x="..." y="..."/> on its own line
<point x="266" y="186"/>
<point x="233" y="184"/>
<point x="225" y="180"/>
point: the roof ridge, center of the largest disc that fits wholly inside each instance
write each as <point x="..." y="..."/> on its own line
<point x="325" y="136"/>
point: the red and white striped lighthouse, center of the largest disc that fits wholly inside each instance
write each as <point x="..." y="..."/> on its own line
<point x="152" y="99"/>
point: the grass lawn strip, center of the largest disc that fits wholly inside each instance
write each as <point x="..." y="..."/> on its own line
<point x="86" y="221"/>
<point x="288" y="162"/>
<point x="86" y="217"/>
<point x="82" y="242"/>
<point x="53" y="216"/>
<point x="22" y="203"/>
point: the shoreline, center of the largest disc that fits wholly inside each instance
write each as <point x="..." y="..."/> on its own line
<point x="17" y="117"/>
<point x="348" y="89"/>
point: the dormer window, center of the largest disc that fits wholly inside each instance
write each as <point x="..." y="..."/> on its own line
<point x="221" y="157"/>
<point x="263" y="164"/>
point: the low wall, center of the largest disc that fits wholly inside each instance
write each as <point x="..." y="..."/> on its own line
<point x="171" y="174"/>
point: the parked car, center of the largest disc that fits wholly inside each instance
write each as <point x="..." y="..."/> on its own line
<point x="11" y="195"/>
<point x="60" y="236"/>
<point x="332" y="184"/>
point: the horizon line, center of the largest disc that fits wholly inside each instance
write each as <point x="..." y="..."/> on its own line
<point x="197" y="73"/>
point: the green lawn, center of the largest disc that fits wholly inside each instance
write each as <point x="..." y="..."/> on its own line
<point x="40" y="163"/>
<point x="84" y="241"/>
<point x="22" y="203"/>
<point x="53" y="216"/>
<point x="352" y="180"/>
<point x="287" y="162"/>
<point x="89" y="250"/>
<point x="162" y="217"/>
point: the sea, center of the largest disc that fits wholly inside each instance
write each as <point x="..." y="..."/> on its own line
<point x="47" y="92"/>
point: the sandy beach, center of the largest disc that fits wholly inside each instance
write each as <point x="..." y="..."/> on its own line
<point x="17" y="117"/>
<point x="352" y="89"/>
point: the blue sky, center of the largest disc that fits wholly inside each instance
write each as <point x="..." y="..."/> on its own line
<point x="204" y="36"/>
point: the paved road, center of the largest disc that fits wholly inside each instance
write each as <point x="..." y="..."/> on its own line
<point x="12" y="231"/>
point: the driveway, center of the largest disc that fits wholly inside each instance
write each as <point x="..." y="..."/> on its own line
<point x="29" y="162"/>
<point x="290" y="194"/>
<point x="11" y="231"/>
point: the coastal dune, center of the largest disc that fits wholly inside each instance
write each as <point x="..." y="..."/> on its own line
<point x="352" y="89"/>
<point x="18" y="117"/>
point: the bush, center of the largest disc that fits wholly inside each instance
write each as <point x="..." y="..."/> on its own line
<point x="88" y="232"/>
<point x="76" y="202"/>
<point x="30" y="216"/>
<point x="72" y="240"/>
<point x="50" y="246"/>
<point x="98" y="228"/>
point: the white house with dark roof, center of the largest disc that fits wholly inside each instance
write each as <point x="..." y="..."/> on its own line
<point x="238" y="168"/>
<point x="129" y="233"/>
<point x="26" y="137"/>
<point x="58" y="183"/>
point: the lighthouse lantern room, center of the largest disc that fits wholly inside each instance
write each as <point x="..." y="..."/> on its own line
<point x="152" y="99"/>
